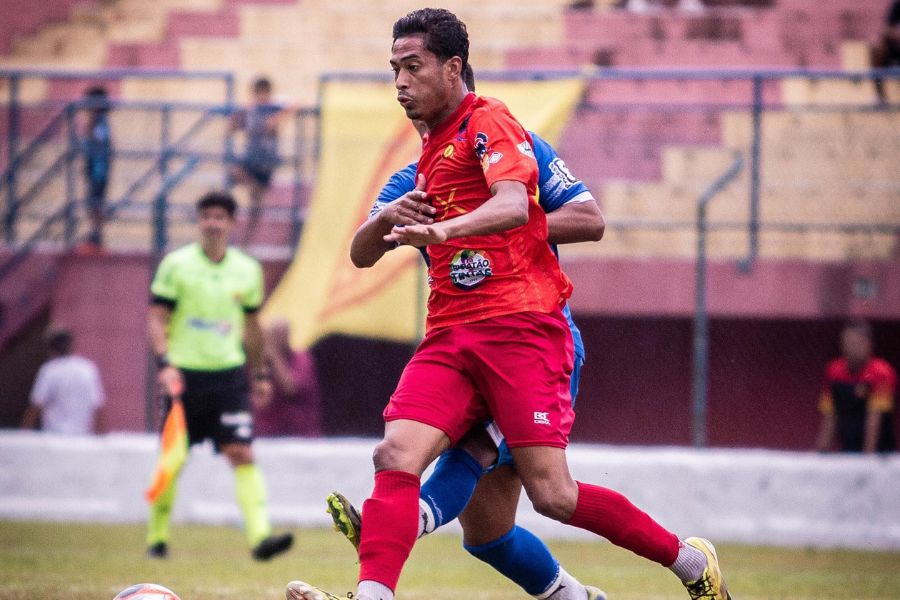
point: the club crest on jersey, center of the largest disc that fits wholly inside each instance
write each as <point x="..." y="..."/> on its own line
<point x="469" y="268"/>
<point x="481" y="148"/>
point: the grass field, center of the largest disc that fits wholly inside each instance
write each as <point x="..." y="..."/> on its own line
<point x="45" y="561"/>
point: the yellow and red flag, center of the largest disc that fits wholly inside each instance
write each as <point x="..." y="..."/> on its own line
<point x="173" y="451"/>
<point x="365" y="138"/>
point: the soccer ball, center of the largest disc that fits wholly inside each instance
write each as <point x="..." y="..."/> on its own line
<point x="146" y="591"/>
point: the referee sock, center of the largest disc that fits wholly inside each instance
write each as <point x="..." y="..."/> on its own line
<point x="447" y="491"/>
<point x="251" y="496"/>
<point x="523" y="558"/>
<point x="610" y="514"/>
<point x="159" y="521"/>
<point x="390" y="532"/>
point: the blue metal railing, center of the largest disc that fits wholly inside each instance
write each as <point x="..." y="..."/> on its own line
<point x="701" y="315"/>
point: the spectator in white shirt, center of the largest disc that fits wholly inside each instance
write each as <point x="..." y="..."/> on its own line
<point x="67" y="391"/>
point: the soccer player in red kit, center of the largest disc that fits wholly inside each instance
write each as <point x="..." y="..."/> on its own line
<point x="496" y="342"/>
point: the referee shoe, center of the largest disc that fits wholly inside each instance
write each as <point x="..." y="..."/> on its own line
<point x="273" y="546"/>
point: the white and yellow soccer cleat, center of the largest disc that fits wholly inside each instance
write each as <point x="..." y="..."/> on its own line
<point x="710" y="585"/>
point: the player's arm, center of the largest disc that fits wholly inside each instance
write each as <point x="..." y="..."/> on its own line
<point x="881" y="402"/>
<point x="32" y="417"/>
<point x="871" y="429"/>
<point x="506" y="209"/>
<point x="576" y="222"/>
<point x="827" y="423"/>
<point x="369" y="244"/>
<point x="168" y="376"/>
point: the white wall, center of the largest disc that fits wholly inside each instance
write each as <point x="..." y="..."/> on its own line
<point x="753" y="496"/>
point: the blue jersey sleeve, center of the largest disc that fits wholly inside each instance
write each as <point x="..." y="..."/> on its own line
<point x="556" y="183"/>
<point x="399" y="183"/>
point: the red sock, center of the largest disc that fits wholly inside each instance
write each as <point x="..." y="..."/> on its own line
<point x="391" y="523"/>
<point x="610" y="514"/>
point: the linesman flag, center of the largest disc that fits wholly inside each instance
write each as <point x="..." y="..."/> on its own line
<point x="173" y="449"/>
<point x="365" y="138"/>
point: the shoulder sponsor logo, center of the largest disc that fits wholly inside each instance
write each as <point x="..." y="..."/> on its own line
<point x="541" y="418"/>
<point x="469" y="268"/>
<point x="561" y="172"/>
<point x="525" y="148"/>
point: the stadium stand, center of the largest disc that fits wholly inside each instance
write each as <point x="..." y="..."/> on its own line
<point x="647" y="146"/>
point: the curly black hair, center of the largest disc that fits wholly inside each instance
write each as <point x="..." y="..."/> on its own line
<point x="445" y="35"/>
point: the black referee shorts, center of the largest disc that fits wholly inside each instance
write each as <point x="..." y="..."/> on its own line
<point x="217" y="407"/>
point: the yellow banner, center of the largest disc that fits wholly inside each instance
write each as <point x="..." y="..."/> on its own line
<point x="365" y="138"/>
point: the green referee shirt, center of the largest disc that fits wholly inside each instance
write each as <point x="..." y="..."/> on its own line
<point x="209" y="302"/>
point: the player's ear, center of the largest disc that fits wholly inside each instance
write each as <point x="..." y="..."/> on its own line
<point x="453" y="68"/>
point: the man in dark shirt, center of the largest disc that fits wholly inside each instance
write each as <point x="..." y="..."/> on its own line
<point x="886" y="52"/>
<point x="857" y="400"/>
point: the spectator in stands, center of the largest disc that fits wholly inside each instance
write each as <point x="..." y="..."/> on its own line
<point x="295" y="406"/>
<point x="886" y="52"/>
<point x="67" y="392"/>
<point x="857" y="398"/>
<point x="98" y="152"/>
<point x="640" y="6"/>
<point x="260" y="123"/>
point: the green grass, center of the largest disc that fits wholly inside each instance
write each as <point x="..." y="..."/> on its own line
<point x="46" y="561"/>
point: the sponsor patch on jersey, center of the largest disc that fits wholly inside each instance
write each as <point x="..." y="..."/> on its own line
<point x="448" y="151"/>
<point x="561" y="172"/>
<point x="222" y="328"/>
<point x="469" y="268"/>
<point x="525" y="148"/>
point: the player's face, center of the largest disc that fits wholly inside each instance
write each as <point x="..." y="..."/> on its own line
<point x="856" y="346"/>
<point x="215" y="224"/>
<point x="423" y="87"/>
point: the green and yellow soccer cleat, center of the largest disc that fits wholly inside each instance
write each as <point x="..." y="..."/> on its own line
<point x="347" y="519"/>
<point x="711" y="585"/>
<point x="299" y="590"/>
<point x="594" y="593"/>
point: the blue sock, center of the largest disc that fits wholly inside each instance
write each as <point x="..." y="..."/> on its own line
<point x="521" y="557"/>
<point x="450" y="486"/>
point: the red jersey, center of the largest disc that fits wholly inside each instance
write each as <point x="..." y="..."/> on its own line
<point x="851" y="395"/>
<point x="480" y="277"/>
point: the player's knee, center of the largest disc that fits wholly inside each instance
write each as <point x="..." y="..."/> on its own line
<point x="552" y="500"/>
<point x="391" y="455"/>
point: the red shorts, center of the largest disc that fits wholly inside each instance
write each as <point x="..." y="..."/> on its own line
<point x="514" y="368"/>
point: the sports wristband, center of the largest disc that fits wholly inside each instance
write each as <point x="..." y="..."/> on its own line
<point x="162" y="361"/>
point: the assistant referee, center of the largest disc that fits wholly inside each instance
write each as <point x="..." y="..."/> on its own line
<point x="204" y="329"/>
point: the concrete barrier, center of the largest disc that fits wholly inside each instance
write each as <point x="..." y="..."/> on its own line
<point x="749" y="496"/>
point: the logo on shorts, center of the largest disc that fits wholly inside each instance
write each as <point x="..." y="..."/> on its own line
<point x="469" y="268"/>
<point x="541" y="418"/>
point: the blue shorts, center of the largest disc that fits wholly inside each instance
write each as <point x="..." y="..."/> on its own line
<point x="504" y="456"/>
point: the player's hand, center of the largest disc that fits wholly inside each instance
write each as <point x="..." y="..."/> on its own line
<point x="417" y="235"/>
<point x="261" y="392"/>
<point x="170" y="381"/>
<point x="411" y="208"/>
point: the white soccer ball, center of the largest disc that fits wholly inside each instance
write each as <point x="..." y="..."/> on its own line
<point x="146" y="591"/>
